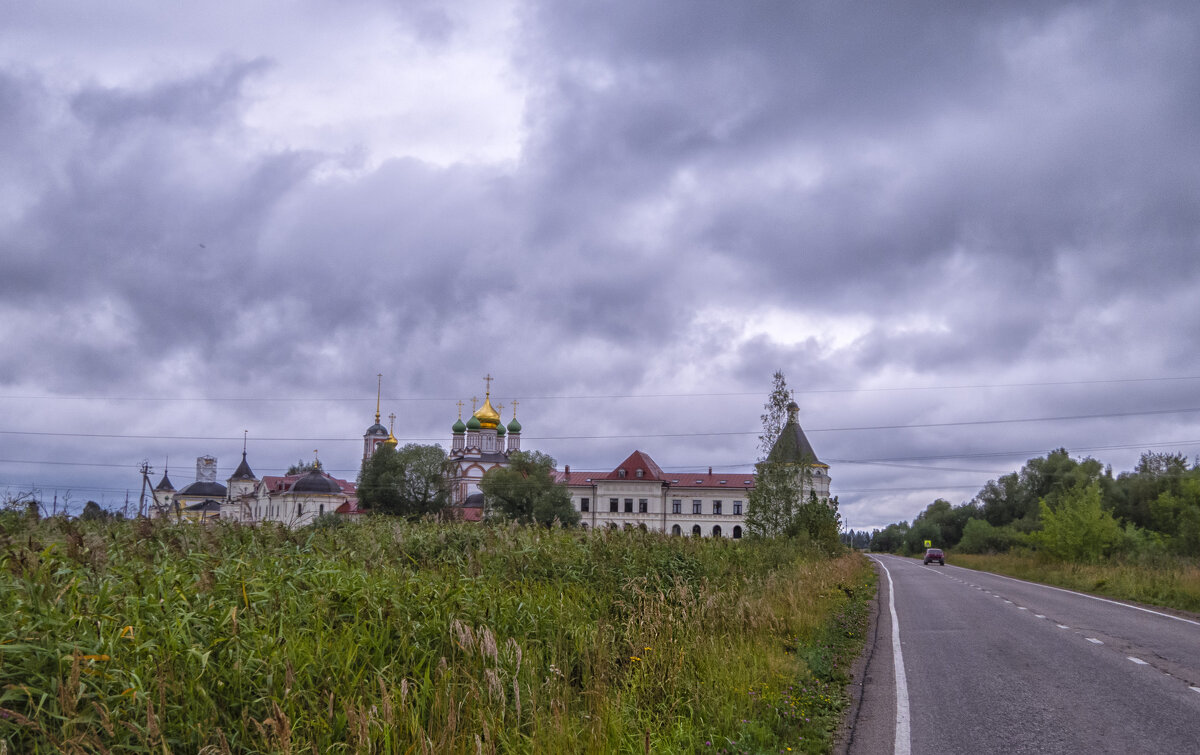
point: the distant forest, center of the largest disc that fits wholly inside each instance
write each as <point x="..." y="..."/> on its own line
<point x="1073" y="510"/>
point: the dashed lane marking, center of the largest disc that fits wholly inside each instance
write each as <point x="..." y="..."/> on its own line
<point x="1094" y="641"/>
<point x="1093" y="597"/>
<point x="1040" y="616"/>
<point x="1062" y="626"/>
<point x="1138" y="661"/>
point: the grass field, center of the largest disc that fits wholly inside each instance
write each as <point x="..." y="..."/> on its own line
<point x="397" y="638"/>
<point x="1169" y="582"/>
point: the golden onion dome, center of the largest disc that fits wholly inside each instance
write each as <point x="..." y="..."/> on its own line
<point x="487" y="415"/>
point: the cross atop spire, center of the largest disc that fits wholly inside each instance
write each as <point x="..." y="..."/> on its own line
<point x="515" y="404"/>
<point x="460" y="405"/>
<point x="474" y="401"/>
<point x="245" y="434"/>
<point x="488" y="380"/>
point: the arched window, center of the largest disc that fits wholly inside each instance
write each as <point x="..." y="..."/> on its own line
<point x="717" y="531"/>
<point x="737" y="533"/>
<point x="676" y="530"/>
<point x="696" y="531"/>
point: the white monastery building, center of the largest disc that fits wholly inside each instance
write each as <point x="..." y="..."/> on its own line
<point x="636" y="494"/>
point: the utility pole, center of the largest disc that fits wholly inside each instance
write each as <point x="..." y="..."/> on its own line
<point x="145" y="470"/>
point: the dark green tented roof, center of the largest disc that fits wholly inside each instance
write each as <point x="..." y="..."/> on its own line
<point x="792" y="446"/>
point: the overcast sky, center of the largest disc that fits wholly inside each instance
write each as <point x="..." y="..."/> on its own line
<point x="935" y="218"/>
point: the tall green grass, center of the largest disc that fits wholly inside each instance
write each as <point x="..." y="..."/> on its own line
<point x="1162" y="581"/>
<point x="390" y="637"/>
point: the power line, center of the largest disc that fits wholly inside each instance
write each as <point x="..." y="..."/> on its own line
<point x="605" y="397"/>
<point x="860" y="428"/>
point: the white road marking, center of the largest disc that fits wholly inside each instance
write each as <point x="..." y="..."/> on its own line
<point x="903" y="744"/>
<point x="1094" y="641"/>
<point x="1102" y="600"/>
<point x="1022" y="608"/>
<point x="1138" y="661"/>
<point x="1062" y="626"/>
<point x="1040" y="616"/>
<point x="1006" y="600"/>
<point x="1194" y="689"/>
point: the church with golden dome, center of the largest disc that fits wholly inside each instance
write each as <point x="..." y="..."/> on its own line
<point x="477" y="446"/>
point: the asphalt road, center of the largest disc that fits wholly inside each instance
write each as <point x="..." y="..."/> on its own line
<point x="991" y="664"/>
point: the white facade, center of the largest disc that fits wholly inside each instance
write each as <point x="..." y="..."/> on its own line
<point x="291" y="500"/>
<point x="639" y="495"/>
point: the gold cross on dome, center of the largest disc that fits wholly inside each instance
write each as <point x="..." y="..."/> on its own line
<point x="515" y="404"/>
<point x="488" y="380"/>
<point x="474" y="401"/>
<point x="460" y="404"/>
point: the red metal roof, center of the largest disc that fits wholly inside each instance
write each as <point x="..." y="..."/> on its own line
<point x="637" y="460"/>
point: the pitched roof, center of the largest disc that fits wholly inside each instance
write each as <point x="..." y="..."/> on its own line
<point x="203" y="488"/>
<point x="577" y="478"/>
<point x="792" y="446"/>
<point x="729" y="480"/>
<point x="675" y="480"/>
<point x="243" y="472"/>
<point x="637" y="460"/>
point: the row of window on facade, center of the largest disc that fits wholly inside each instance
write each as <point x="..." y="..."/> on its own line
<point x="274" y="510"/>
<point x="677" y="531"/>
<point x="643" y="505"/>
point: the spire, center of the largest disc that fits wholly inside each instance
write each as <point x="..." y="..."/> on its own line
<point x="165" y="483"/>
<point x="243" y="471"/>
<point x="378" y="395"/>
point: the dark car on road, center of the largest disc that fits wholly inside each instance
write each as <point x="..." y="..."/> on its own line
<point x="935" y="554"/>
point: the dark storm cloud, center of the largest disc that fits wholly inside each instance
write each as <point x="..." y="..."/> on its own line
<point x="922" y="193"/>
<point x="986" y="148"/>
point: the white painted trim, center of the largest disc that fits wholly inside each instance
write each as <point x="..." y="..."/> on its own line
<point x="903" y="744"/>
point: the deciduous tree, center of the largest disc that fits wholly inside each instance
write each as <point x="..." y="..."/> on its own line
<point x="526" y="492"/>
<point x="410" y="481"/>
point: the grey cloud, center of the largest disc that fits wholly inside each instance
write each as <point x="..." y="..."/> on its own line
<point x="201" y="101"/>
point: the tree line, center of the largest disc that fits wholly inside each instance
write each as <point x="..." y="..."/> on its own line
<point x="1075" y="510"/>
